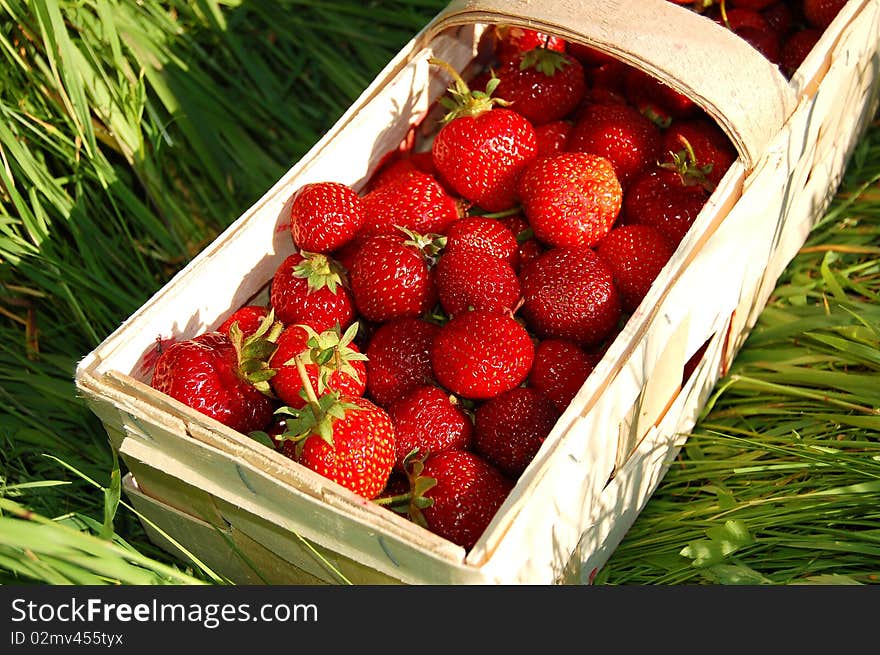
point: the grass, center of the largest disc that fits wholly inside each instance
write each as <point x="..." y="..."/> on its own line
<point x="132" y="133"/>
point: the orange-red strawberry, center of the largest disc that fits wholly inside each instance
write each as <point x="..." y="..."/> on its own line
<point x="820" y="13"/>
<point x="571" y="198"/>
<point x="415" y="201"/>
<point x="552" y="137"/>
<point x="588" y="55"/>
<point x="466" y="496"/>
<point x="712" y="151"/>
<point x="528" y="246"/>
<point x="655" y="100"/>
<point x="473" y="279"/>
<point x="330" y="359"/>
<point x="400" y="165"/>
<point x="510" y="428"/>
<point x="309" y="288"/>
<point x="479" y="354"/>
<point x="489" y="235"/>
<point x="346" y="439"/>
<point x="659" y="198"/>
<point x="541" y="84"/>
<point x="570" y="293"/>
<point x="391" y="276"/>
<point x="248" y="317"/>
<point x="324" y="216"/>
<point x="561" y="367"/>
<point x="636" y="254"/>
<point x="481" y="148"/>
<point x="399" y="359"/>
<point x="220" y="377"/>
<point x="512" y="40"/>
<point x="429" y="420"/>
<point x="618" y="133"/>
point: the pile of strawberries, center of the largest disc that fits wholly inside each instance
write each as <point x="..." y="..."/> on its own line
<point x="425" y="334"/>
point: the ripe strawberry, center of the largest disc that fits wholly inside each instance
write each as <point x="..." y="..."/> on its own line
<point x="780" y="17"/>
<point x="220" y="376"/>
<point x="481" y="148"/>
<point x="415" y="201"/>
<point x="740" y="16"/>
<point x="473" y="279"/>
<point x="512" y="40"/>
<point x="820" y="13"/>
<point x="324" y="216"/>
<point x="606" y="84"/>
<point x="390" y="277"/>
<point x="571" y="198"/>
<point x="331" y="360"/>
<point x="756" y="5"/>
<point x="309" y="288"/>
<point x="570" y="293"/>
<point x="655" y="100"/>
<point x="400" y="165"/>
<point x="429" y="420"/>
<point x="248" y="317"/>
<point x="527" y="246"/>
<point x="541" y="84"/>
<point x="510" y="428"/>
<point x="659" y="198"/>
<point x="399" y="359"/>
<point x="552" y="137"/>
<point x="346" y="439"/>
<point x="796" y="48"/>
<point x="635" y="254"/>
<point x="479" y="354"/>
<point x="713" y="152"/>
<point x="588" y="55"/>
<point x="765" y="41"/>
<point x="561" y="367"/>
<point x="618" y="133"/>
<point x="488" y="235"/>
<point x="466" y="496"/>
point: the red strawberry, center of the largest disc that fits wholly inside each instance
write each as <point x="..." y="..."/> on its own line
<point x="513" y="40"/>
<point x="780" y="17"/>
<point x="324" y="216"/>
<point x="552" y="137"/>
<point x="820" y="13"/>
<point x="635" y="254"/>
<point x="401" y="165"/>
<point x="391" y="278"/>
<point x="429" y="420"/>
<point x="541" y="84"/>
<point x="488" y="235"/>
<point x="713" y="152"/>
<point x="796" y="48"/>
<point x="473" y="279"/>
<point x="756" y="5"/>
<point x="659" y="198"/>
<point x="570" y="293"/>
<point x="618" y="133"/>
<point x="330" y="359"/>
<point x="415" y="201"/>
<point x="479" y="354"/>
<point x="218" y="376"/>
<point x="466" y="496"/>
<point x="481" y="148"/>
<point x="740" y="16"/>
<point x="528" y="246"/>
<point x="510" y="428"/>
<point x="309" y="288"/>
<point x="656" y="100"/>
<point x="588" y="55"/>
<point x="765" y="41"/>
<point x="571" y="198"/>
<point x="399" y="358"/>
<point x="248" y="317"/>
<point x="561" y="367"/>
<point x="607" y="83"/>
<point x="346" y="439"/>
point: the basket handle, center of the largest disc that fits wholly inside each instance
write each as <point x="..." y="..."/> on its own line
<point x="736" y="85"/>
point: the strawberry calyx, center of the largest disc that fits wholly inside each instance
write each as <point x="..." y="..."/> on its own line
<point x="319" y="271"/>
<point x="430" y="245"/>
<point x="331" y="351"/>
<point x="461" y="100"/>
<point x="684" y="162"/>
<point x="412" y="502"/>
<point x="253" y="352"/>
<point x="544" y="60"/>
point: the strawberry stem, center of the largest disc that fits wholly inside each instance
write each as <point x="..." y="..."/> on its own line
<point x="307" y="384"/>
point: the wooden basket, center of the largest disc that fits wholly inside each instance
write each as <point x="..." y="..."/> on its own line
<point x="208" y="491"/>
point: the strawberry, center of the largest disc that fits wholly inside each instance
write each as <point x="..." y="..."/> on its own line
<point x="607" y="84"/>
<point x="713" y="152"/>
<point x="415" y="201"/>
<point x="527" y="246"/>
<point x="401" y="165"/>
<point x="820" y="13"/>
<point x="466" y="496"/>
<point x="481" y="148"/>
<point x="541" y="84"/>
<point x="765" y="41"/>
<point x="659" y="198"/>
<point x="561" y="367"/>
<point x="780" y="17"/>
<point x="330" y="360"/>
<point x="588" y="55"/>
<point x="571" y="198"/>
<point x="474" y="279"/>
<point x="656" y="100"/>
<point x="399" y="359"/>
<point x="488" y="235"/>
<point x="755" y="5"/>
<point x="510" y="428"/>
<point x="324" y="216"/>
<point x="552" y="137"/>
<point x="512" y="40"/>
<point x="309" y="288"/>
<point x="478" y="354"/>
<point x="795" y="49"/>
<point x="740" y="16"/>
<point x="220" y="375"/>
<point x="391" y="277"/>
<point x="618" y="133"/>
<point x="348" y="440"/>
<point x="248" y="317"/>
<point x="636" y="254"/>
<point x="569" y="293"/>
<point x="429" y="420"/>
